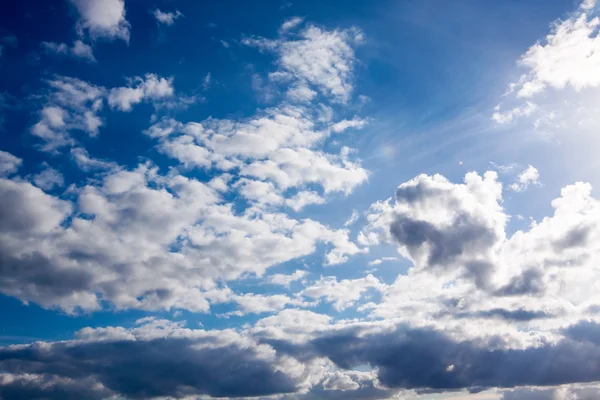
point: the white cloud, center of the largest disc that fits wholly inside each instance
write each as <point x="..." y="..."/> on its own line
<point x="104" y="18"/>
<point x="302" y="199"/>
<point x="472" y="279"/>
<point x="87" y="163"/>
<point x="382" y="260"/>
<point x="78" y="50"/>
<point x="301" y="93"/>
<point x="529" y="176"/>
<point x="503" y="117"/>
<point x="353" y="218"/>
<point x="286" y="280"/>
<point x="342" y="294"/>
<point x="9" y="163"/>
<point x="151" y="87"/>
<point x="48" y="179"/>
<point x="291" y="23"/>
<point x="324" y="59"/>
<point x="569" y="56"/>
<point x="207" y="81"/>
<point x="340" y="381"/>
<point x="557" y="92"/>
<point x="356" y="123"/>
<point x="71" y="105"/>
<point x="167" y="18"/>
<point x="136" y="218"/>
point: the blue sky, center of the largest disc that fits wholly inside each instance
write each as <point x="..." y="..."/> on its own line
<point x="299" y="200"/>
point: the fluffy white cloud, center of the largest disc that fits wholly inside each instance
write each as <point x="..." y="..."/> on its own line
<point x="323" y="59"/>
<point x="569" y="56"/>
<point x="150" y="87"/>
<point x="9" y="163"/>
<point x="87" y="163"/>
<point x="291" y="23"/>
<point x="48" y="179"/>
<point x="135" y="226"/>
<point x="342" y="294"/>
<point x="104" y="18"/>
<point x="286" y="280"/>
<point x="275" y="146"/>
<point x="71" y="105"/>
<point x="470" y="278"/>
<point x="558" y="91"/>
<point x="529" y="176"/>
<point x="167" y="18"/>
<point x="78" y="50"/>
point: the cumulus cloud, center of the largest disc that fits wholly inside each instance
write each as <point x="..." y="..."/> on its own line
<point x="275" y="146"/>
<point x="166" y="18"/>
<point x="471" y="279"/>
<point x="78" y="50"/>
<point x="318" y="58"/>
<point x="126" y="226"/>
<point x="71" y="105"/>
<point x="557" y="91"/>
<point x="286" y="280"/>
<point x="150" y="87"/>
<point x="9" y="163"/>
<point x="102" y="19"/>
<point x="528" y="177"/>
<point x="48" y="178"/>
<point x="342" y="294"/>
<point x="569" y="56"/>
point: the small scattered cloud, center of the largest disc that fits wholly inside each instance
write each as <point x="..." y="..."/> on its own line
<point x="167" y="18"/>
<point x="530" y="176"/>
<point x="79" y="50"/>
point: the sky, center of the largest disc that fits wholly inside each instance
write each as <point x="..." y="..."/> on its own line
<point x="300" y="200"/>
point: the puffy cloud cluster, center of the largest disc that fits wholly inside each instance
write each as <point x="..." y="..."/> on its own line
<point x="274" y="151"/>
<point x="72" y="105"/>
<point x="102" y="19"/>
<point x="313" y="57"/>
<point x="558" y="91"/>
<point x="470" y="278"/>
<point x="529" y="176"/>
<point x="113" y="242"/>
<point x="150" y="87"/>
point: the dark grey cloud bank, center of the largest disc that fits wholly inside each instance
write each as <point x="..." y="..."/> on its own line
<point x="426" y="359"/>
<point x="417" y="359"/>
<point x="141" y="369"/>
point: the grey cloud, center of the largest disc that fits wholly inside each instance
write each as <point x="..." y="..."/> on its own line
<point x="529" y="282"/>
<point x="427" y="359"/>
<point x="576" y="237"/>
<point x="446" y="244"/>
<point x="140" y="369"/>
<point x="47" y="387"/>
<point x="584" y="331"/>
<point x="520" y="315"/>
